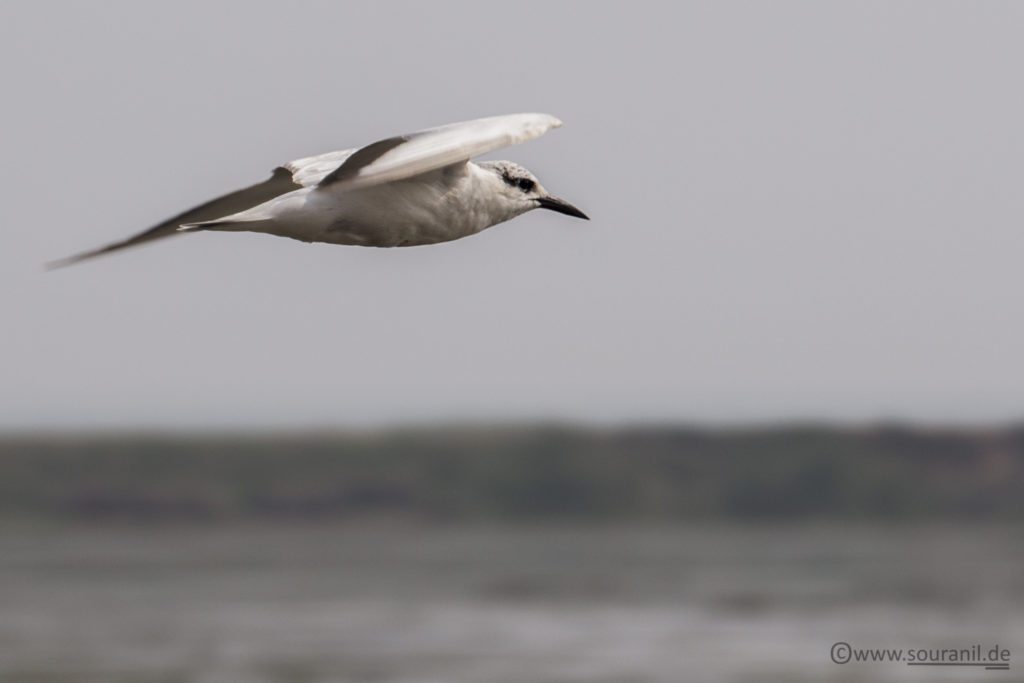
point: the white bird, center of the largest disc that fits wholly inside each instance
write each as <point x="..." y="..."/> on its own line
<point x="404" y="191"/>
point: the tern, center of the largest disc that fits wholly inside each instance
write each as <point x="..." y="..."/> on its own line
<point x="403" y="191"/>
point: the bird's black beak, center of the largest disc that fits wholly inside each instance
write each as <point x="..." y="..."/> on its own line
<point x="561" y="206"/>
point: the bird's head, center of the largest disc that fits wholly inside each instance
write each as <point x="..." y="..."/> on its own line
<point x="520" y="190"/>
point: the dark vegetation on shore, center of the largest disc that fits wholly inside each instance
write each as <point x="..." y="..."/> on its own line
<point x="520" y="474"/>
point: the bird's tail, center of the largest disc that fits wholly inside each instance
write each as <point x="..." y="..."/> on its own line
<point x="230" y="225"/>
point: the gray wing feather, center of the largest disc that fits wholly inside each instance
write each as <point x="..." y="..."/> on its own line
<point x="410" y="155"/>
<point x="240" y="200"/>
<point x="309" y="171"/>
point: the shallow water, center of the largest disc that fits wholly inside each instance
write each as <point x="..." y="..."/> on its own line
<point x="401" y="603"/>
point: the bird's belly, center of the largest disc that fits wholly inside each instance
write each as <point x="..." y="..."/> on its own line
<point x="388" y="219"/>
<point x="391" y="234"/>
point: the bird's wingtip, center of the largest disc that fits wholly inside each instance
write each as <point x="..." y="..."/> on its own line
<point x="551" y="120"/>
<point x="59" y="263"/>
<point x="71" y="260"/>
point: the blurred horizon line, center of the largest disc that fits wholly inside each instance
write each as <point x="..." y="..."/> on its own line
<point x="833" y="425"/>
<point x="883" y="471"/>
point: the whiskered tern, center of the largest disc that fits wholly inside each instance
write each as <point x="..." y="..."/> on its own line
<point x="404" y="191"/>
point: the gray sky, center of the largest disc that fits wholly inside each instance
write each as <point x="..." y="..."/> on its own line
<point x="800" y="210"/>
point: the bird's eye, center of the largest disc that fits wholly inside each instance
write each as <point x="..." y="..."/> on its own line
<point x="525" y="184"/>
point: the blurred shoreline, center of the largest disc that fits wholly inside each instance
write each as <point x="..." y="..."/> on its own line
<point x="519" y="473"/>
<point x="506" y="554"/>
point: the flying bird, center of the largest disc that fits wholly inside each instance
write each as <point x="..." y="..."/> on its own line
<point x="404" y="191"/>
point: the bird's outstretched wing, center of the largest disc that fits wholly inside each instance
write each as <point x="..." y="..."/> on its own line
<point x="305" y="172"/>
<point x="410" y="155"/>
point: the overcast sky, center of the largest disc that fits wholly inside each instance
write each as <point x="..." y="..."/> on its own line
<point x="799" y="210"/>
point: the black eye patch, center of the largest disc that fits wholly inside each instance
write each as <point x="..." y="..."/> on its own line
<point x="524" y="184"/>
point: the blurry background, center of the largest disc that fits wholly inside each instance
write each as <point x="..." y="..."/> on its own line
<point x="762" y="402"/>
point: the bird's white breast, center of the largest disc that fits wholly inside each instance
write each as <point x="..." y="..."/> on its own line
<point x="443" y="205"/>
